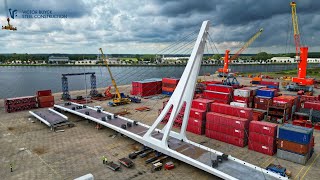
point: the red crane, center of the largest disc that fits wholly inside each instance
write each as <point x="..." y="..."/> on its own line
<point x="300" y="51"/>
<point x="225" y="70"/>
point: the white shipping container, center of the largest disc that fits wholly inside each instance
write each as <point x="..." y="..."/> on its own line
<point x="241" y="92"/>
<point x="237" y="104"/>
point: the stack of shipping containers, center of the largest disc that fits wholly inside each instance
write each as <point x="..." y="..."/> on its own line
<point x="243" y="97"/>
<point x="147" y="87"/>
<point x="45" y="98"/>
<point x="282" y="108"/>
<point x="262" y="137"/>
<point x="219" y="93"/>
<point x="228" y="124"/>
<point x="263" y="98"/>
<point x="295" y="143"/>
<point x="197" y="116"/>
<point x="169" y="85"/>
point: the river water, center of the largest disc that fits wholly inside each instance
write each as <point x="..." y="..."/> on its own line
<point x="26" y="80"/>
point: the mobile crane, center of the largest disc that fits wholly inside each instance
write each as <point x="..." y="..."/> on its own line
<point x="223" y="72"/>
<point x="300" y="82"/>
<point x="119" y="99"/>
<point x="9" y="26"/>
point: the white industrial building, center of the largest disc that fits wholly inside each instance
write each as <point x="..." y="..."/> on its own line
<point x="86" y="62"/>
<point x="58" y="59"/>
<point x="291" y="60"/>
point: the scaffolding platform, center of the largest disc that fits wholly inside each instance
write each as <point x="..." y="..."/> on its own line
<point x="51" y="118"/>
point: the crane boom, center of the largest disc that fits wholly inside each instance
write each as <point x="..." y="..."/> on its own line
<point x="225" y="70"/>
<point x="301" y="52"/>
<point x="247" y="44"/>
<point x="112" y="79"/>
<point x="296" y="33"/>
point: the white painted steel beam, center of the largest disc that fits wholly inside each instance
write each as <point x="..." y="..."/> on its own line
<point x="184" y="94"/>
<point x="56" y="112"/>
<point x="40" y="118"/>
<point x="174" y="153"/>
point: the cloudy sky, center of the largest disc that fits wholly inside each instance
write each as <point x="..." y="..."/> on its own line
<point x="147" y="26"/>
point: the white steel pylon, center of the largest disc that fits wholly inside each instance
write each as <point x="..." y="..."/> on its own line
<point x="183" y="94"/>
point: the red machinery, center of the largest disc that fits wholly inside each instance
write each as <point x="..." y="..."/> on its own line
<point x="223" y="72"/>
<point x="301" y="82"/>
<point x="302" y="69"/>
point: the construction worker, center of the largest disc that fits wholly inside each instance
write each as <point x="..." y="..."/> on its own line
<point x="98" y="126"/>
<point x="103" y="159"/>
<point x="11" y="167"/>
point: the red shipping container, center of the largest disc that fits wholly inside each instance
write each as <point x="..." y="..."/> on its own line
<point x="265" y="128"/>
<point x="226" y="138"/>
<point x="202" y="104"/>
<point x="269" y="83"/>
<point x="148" y="88"/>
<point x="258" y="116"/>
<point x="242" y="99"/>
<point x="299" y="123"/>
<point x="168" y="89"/>
<point x="232" y="121"/>
<point x="263" y="139"/>
<point x="196" y="130"/>
<point x="46" y="104"/>
<point x="211" y="82"/>
<point x="44" y="93"/>
<point x="46" y="99"/>
<point x="240" y="133"/>
<point x="312" y="105"/>
<point x="216" y="95"/>
<point x="170" y="80"/>
<point x="198" y="114"/>
<point x="221" y="101"/>
<point x="220" y="88"/>
<point x="232" y="110"/>
<point x="196" y="122"/>
<point x="305" y="98"/>
<point x="256" y="146"/>
<point x="262" y="100"/>
<point x="284" y="99"/>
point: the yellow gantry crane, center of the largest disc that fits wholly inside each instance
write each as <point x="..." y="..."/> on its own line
<point x="118" y="100"/>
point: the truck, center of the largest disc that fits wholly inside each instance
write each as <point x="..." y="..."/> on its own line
<point x="156" y="167"/>
<point x="282" y="171"/>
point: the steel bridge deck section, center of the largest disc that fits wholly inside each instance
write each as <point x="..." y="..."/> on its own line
<point x="233" y="167"/>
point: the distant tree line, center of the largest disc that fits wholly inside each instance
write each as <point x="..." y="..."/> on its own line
<point x="140" y="57"/>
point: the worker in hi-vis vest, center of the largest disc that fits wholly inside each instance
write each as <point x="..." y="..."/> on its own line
<point x="104" y="160"/>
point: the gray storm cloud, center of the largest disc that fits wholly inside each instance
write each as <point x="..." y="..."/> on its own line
<point x="124" y="26"/>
